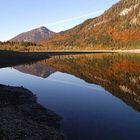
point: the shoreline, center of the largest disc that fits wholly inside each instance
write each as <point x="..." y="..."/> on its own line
<point x="129" y="51"/>
<point x="96" y="51"/>
<point x="21" y="117"/>
<point x="89" y="51"/>
<point x="12" y="58"/>
<point x="42" y="54"/>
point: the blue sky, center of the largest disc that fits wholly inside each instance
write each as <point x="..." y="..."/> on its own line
<point x="22" y="15"/>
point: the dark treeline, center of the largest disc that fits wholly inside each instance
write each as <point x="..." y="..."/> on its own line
<point x="10" y="58"/>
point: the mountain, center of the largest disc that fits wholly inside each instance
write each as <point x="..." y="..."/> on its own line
<point x="118" y="27"/>
<point x="37" y="35"/>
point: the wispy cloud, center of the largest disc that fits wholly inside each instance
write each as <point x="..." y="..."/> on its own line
<point x="75" y="18"/>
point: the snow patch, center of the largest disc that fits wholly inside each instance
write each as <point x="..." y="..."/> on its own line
<point x="127" y="10"/>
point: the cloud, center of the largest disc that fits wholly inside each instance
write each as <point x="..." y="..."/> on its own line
<point x="74" y="18"/>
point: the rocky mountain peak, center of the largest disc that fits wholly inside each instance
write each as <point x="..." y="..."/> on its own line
<point x="36" y="35"/>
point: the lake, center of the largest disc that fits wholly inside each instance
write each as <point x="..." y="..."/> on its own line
<point x="97" y="95"/>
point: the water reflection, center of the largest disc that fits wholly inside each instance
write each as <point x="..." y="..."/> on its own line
<point x="118" y="74"/>
<point x="80" y="87"/>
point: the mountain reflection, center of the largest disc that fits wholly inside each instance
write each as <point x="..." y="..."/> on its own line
<point x="39" y="69"/>
<point x="118" y="74"/>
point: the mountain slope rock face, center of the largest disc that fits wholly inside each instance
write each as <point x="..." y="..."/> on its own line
<point x="118" y="27"/>
<point x="37" y="35"/>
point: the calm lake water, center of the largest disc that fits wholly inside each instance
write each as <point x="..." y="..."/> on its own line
<point x="97" y="95"/>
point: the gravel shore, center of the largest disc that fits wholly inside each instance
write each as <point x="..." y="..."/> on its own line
<point x="22" y="118"/>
